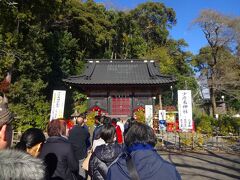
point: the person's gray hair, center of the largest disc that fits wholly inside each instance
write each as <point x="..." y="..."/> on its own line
<point x="19" y="165"/>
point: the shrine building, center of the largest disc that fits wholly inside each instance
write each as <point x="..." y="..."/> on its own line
<point x="119" y="87"/>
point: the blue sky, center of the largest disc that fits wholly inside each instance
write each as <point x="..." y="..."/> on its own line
<point x="186" y="11"/>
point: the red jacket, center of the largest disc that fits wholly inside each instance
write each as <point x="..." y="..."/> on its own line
<point x="119" y="134"/>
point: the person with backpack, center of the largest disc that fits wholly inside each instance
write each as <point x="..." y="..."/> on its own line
<point x="105" y="154"/>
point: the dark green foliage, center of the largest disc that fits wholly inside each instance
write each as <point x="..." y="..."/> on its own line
<point x="175" y="61"/>
<point x="224" y="125"/>
<point x="29" y="104"/>
<point x="204" y="124"/>
<point x="228" y="124"/>
<point x="42" y="42"/>
<point x="154" y="19"/>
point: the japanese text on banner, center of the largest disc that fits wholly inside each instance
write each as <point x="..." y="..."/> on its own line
<point x="185" y="109"/>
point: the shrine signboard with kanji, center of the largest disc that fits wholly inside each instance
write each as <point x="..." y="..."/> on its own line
<point x="185" y="109"/>
<point x="58" y="102"/>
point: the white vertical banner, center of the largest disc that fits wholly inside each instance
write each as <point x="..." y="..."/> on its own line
<point x="162" y="115"/>
<point x="58" y="102"/>
<point x="185" y="109"/>
<point x="149" y="115"/>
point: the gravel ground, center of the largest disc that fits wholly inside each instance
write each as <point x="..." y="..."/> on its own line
<point x="205" y="165"/>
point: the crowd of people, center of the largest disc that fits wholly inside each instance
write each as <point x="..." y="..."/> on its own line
<point x="118" y="150"/>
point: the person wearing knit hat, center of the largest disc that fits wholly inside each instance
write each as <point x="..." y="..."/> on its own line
<point x="5" y="125"/>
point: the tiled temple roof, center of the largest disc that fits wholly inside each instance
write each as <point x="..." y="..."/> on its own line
<point x="120" y="72"/>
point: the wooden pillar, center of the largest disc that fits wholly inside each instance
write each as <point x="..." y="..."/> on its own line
<point x="109" y="109"/>
<point x="160" y="101"/>
<point x="132" y="104"/>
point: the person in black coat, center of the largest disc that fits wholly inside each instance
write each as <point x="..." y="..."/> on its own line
<point x="79" y="138"/>
<point x="57" y="153"/>
<point x="105" y="154"/>
<point x="144" y="159"/>
<point x="101" y="121"/>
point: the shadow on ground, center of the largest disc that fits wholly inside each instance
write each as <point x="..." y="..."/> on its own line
<point x="204" y="165"/>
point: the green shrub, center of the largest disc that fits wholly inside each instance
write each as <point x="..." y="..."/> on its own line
<point x="91" y="119"/>
<point x="204" y="124"/>
<point x="228" y="124"/>
<point x="186" y="139"/>
<point x="140" y="115"/>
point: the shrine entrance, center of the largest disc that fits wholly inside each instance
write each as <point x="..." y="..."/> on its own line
<point x="121" y="106"/>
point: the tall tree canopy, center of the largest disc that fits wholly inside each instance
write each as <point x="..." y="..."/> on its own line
<point x="154" y="20"/>
<point x="42" y="42"/>
<point x="221" y="33"/>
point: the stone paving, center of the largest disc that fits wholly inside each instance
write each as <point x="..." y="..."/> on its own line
<point x="205" y="165"/>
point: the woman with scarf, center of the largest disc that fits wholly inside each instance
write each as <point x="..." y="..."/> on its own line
<point x="141" y="160"/>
